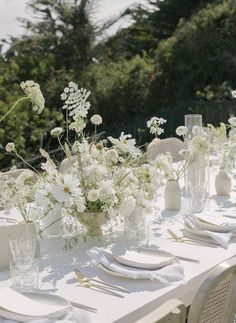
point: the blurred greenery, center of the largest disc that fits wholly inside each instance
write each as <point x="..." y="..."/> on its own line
<point x="174" y="58"/>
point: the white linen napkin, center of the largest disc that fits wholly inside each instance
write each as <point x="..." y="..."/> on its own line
<point x="216" y="223"/>
<point x="192" y="227"/>
<point x="167" y="275"/>
<point x="14" y="305"/>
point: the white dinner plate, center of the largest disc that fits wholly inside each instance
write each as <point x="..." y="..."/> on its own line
<point x="118" y="274"/>
<point x="58" y="305"/>
<point x="143" y="260"/>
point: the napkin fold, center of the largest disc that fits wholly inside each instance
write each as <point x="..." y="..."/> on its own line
<point x="192" y="226"/>
<point x="167" y="275"/>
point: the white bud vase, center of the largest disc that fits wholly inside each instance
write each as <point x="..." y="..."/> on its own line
<point x="172" y="195"/>
<point x="223" y="183"/>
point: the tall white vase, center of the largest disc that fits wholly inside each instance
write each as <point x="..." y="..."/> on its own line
<point x="223" y="183"/>
<point x="172" y="195"/>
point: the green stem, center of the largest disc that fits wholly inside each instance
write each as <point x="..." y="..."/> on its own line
<point x="67" y="126"/>
<point x="24" y="161"/>
<point x="13" y="107"/>
<point x="60" y="143"/>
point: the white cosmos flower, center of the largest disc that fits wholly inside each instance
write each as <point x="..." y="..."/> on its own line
<point x="125" y="144"/>
<point x="232" y="121"/>
<point x="181" y="131"/>
<point x="96" y="119"/>
<point x="32" y="90"/>
<point x="93" y="195"/>
<point x="10" y="147"/>
<point x="66" y="186"/>
<point x="56" y="132"/>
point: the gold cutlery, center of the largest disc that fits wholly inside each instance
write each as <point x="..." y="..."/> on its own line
<point x="87" y="282"/>
<point x="195" y="241"/>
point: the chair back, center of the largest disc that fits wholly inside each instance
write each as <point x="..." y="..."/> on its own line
<point x="215" y="300"/>
<point x="172" y="145"/>
<point x="172" y="311"/>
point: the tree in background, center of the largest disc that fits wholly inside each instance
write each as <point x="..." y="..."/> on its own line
<point x="174" y="59"/>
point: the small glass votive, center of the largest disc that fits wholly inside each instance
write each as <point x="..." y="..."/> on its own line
<point x="24" y="278"/>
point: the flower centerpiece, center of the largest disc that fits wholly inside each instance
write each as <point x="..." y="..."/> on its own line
<point x="98" y="180"/>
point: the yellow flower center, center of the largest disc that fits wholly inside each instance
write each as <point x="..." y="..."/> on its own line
<point x="125" y="142"/>
<point x="66" y="189"/>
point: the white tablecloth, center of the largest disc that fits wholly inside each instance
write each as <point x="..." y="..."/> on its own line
<point x="57" y="264"/>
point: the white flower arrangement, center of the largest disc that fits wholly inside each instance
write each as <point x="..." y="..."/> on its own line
<point x="223" y="143"/>
<point x="93" y="177"/>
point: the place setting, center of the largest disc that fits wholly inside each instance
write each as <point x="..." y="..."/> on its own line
<point x="119" y="261"/>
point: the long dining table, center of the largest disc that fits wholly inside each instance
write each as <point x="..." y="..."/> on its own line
<point x="57" y="266"/>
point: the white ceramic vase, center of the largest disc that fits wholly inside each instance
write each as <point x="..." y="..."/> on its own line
<point x="223" y="183"/>
<point x="172" y="195"/>
<point x="17" y="230"/>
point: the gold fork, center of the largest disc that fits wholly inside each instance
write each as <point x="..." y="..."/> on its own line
<point x="182" y="238"/>
<point x="87" y="282"/>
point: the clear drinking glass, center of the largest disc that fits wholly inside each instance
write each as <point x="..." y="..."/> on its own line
<point x="137" y="228"/>
<point x="191" y="120"/>
<point x="24" y="278"/>
<point x="22" y="249"/>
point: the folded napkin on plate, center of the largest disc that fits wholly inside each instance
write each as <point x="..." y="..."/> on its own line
<point x="215" y="223"/>
<point x="17" y="306"/>
<point x="167" y="275"/>
<point x="195" y="227"/>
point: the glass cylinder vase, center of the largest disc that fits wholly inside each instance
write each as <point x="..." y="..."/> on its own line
<point x="198" y="181"/>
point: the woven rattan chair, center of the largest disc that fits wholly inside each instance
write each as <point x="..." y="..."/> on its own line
<point x="215" y="300"/>
<point x="172" y="145"/>
<point x="172" y="311"/>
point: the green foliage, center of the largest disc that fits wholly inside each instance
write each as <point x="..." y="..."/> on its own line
<point x="177" y="57"/>
<point x="119" y="92"/>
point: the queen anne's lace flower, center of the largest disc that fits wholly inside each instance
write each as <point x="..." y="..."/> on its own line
<point x="154" y="125"/>
<point x="32" y="90"/>
<point x="75" y="100"/>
